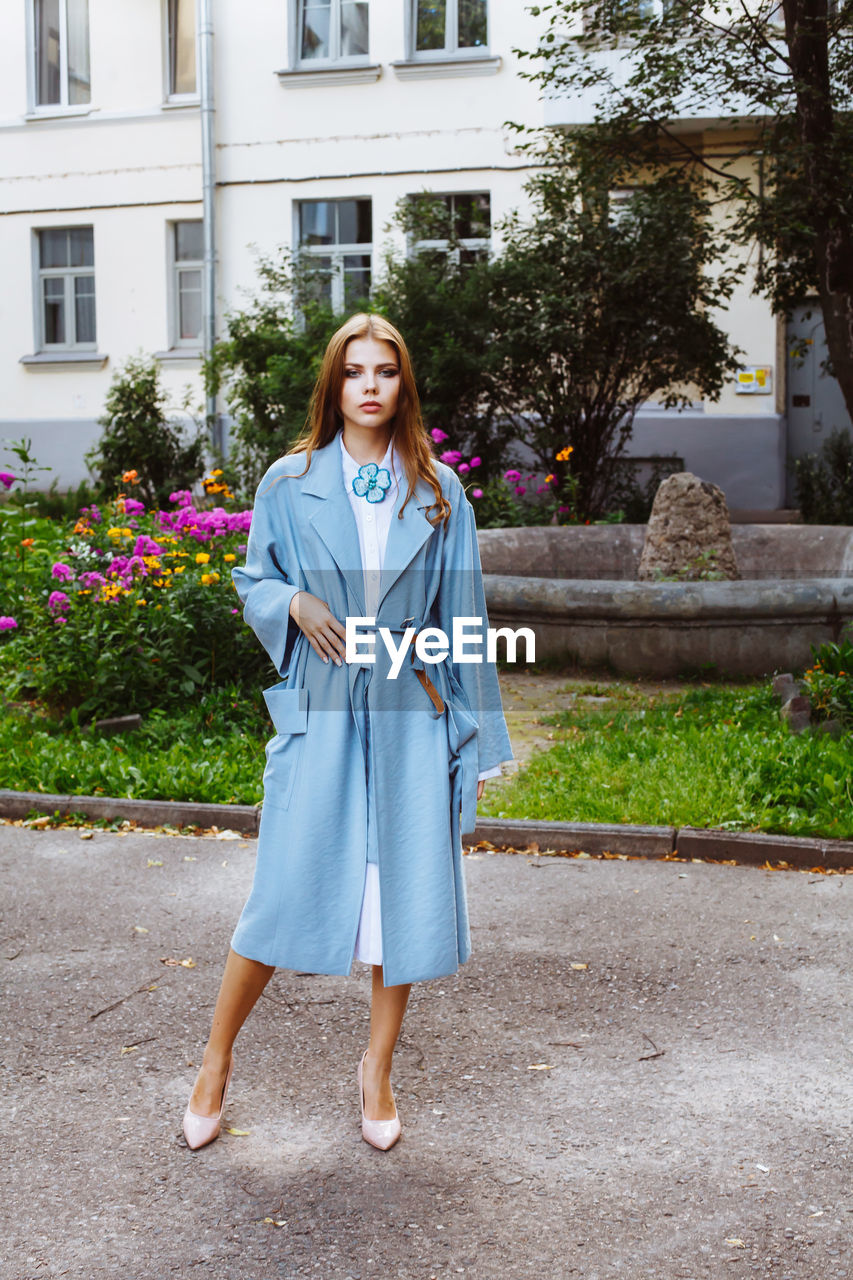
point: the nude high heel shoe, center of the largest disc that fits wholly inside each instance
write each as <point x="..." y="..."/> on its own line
<point x="199" y="1130"/>
<point x="379" y="1133"/>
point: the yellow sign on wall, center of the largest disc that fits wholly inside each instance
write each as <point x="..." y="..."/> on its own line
<point x="755" y="380"/>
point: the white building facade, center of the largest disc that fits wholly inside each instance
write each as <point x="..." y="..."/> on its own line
<point x="326" y="114"/>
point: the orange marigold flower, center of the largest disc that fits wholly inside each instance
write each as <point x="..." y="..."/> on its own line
<point x="130" y="477"/>
<point x="27" y="542"/>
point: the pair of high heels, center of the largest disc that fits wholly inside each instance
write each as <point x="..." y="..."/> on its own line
<point x="199" y="1130"/>
<point x="379" y="1133"/>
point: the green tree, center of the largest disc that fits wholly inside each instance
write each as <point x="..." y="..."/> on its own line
<point x="268" y="363"/>
<point x="778" y="76"/>
<point x="139" y="434"/>
<point x="596" y="307"/>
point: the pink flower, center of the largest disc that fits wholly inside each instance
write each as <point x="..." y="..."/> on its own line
<point x="62" y="572"/>
<point x="7" y="624"/>
<point x="512" y="475"/>
<point x="450" y="457"/>
<point x="58" y="602"/>
<point x="520" y="489"/>
<point x="183" y="498"/>
<point x="7" y="479"/>
<point x="145" y="546"/>
<point x="438" y="435"/>
<point x="463" y="467"/>
<point x="235" y="610"/>
<point x="475" y="462"/>
<point x="476" y="493"/>
<point x="132" y="507"/>
<point x="92" y="513"/>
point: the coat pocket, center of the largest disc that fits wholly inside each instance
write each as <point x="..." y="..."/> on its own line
<point x="288" y="708"/>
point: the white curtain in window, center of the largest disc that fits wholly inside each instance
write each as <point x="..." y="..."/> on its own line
<point x="79" y="76"/>
<point x="182" y="72"/>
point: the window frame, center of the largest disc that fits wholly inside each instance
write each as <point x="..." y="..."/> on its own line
<point x="175" y="267"/>
<point x="169" y="96"/>
<point x="334" y="60"/>
<point x="68" y="274"/>
<point x="451" y="51"/>
<point x="338" y="251"/>
<point x="475" y="244"/>
<point x="64" y="105"/>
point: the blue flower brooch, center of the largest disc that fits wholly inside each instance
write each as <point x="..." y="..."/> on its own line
<point x="372" y="482"/>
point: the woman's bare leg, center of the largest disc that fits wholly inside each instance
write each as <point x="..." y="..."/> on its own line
<point x="242" y="983"/>
<point x="387" y="1007"/>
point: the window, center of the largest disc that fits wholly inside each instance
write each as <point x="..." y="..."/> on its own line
<point x="67" y="287"/>
<point x="332" y="31"/>
<point x="455" y="226"/>
<point x="337" y="236"/>
<point x="187" y="283"/>
<point x="448" y="27"/>
<point x="181" y="52"/>
<point x="61" y="46"/>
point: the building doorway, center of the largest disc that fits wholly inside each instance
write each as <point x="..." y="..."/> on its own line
<point x="815" y="405"/>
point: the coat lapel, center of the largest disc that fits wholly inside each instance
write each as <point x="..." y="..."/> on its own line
<point x="335" y="524"/>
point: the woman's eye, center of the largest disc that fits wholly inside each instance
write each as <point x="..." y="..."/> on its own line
<point x="389" y="373"/>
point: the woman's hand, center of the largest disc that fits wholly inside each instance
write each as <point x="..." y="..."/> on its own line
<point x="481" y="786"/>
<point x="326" y="635"/>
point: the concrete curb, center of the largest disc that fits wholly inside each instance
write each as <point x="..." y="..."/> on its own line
<point x="561" y="837"/>
<point x="151" y="813"/>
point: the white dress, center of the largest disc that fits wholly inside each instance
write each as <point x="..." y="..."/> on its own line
<point x="373" y="520"/>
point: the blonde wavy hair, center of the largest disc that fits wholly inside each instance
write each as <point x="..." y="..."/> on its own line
<point x="411" y="440"/>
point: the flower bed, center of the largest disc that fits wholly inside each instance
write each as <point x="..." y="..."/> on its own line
<point x="129" y="608"/>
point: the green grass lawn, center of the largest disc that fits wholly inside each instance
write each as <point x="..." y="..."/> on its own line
<point x="715" y="756"/>
<point x="707" y="757"/>
<point x="169" y="758"/>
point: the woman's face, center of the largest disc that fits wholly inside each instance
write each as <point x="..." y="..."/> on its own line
<point x="371" y="384"/>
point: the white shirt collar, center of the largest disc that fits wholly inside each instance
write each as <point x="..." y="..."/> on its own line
<point x="351" y="466"/>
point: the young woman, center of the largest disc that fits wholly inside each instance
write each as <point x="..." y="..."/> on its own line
<point x="378" y="762"/>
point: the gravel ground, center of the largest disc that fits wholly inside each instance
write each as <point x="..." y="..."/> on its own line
<point x="643" y="1071"/>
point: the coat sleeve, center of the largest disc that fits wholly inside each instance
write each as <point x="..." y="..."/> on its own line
<point x="461" y="595"/>
<point x="265" y="584"/>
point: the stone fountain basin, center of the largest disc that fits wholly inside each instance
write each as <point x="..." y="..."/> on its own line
<point x="576" y="589"/>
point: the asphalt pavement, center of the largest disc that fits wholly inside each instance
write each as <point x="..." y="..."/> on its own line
<point x="644" y="1070"/>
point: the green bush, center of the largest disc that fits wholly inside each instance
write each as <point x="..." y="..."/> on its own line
<point x="824" y="481"/>
<point x="141" y="437"/>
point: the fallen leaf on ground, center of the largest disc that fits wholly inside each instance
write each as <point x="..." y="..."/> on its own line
<point x="736" y="1241"/>
<point x="87" y="835"/>
<point x="580" y="966"/>
<point x="239" y="1133"/>
<point x="189" y="963"/>
<point x="155" y="862"/>
<point x="137" y="928"/>
<point x="128" y="1048"/>
<point x="540" y="1066"/>
<point x="276" y="1222"/>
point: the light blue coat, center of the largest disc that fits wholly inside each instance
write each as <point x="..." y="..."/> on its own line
<point x="363" y="767"/>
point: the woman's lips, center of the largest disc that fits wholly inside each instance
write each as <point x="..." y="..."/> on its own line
<point x="370" y="407"/>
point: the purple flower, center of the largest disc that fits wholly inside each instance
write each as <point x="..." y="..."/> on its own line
<point x="136" y="565"/>
<point x="7" y="480"/>
<point x="58" y="602"/>
<point x="463" y="467"/>
<point x="132" y="507"/>
<point x="91" y="580"/>
<point x="564" y="508"/>
<point x="438" y="435"/>
<point x="475" y="462"/>
<point x="62" y="572"/>
<point x="476" y="493"/>
<point x="241" y="550"/>
<point x="235" y="610"/>
<point x="512" y="475"/>
<point x="92" y="513"/>
<point x="145" y="546"/>
<point x="6" y="623"/>
<point x="450" y="457"/>
<point x="520" y="489"/>
<point x="182" y="497"/>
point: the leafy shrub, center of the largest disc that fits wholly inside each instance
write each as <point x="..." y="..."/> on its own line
<point x="824" y="481"/>
<point x="141" y="436"/>
<point x="830" y="681"/>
